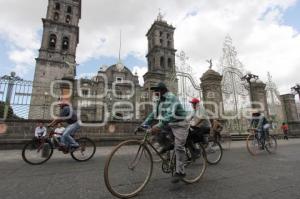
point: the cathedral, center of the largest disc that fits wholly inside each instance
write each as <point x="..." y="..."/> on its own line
<point x="113" y="88"/>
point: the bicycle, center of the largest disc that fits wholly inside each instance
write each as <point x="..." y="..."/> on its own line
<point x="40" y="150"/>
<point x="213" y="148"/>
<point x="256" y="142"/>
<point x="129" y="166"/>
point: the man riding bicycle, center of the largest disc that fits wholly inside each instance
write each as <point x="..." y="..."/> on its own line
<point x="199" y="126"/>
<point x="171" y="116"/>
<point x="68" y="115"/>
<point x="261" y="124"/>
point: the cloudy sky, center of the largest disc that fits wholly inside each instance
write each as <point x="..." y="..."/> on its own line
<point x="264" y="32"/>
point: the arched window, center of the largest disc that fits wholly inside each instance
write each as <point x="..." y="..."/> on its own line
<point x="161" y="42"/>
<point x="169" y="62"/>
<point x="68" y="19"/>
<point x="162" y="62"/>
<point x="65" y="43"/>
<point x="69" y="10"/>
<point x="57" y="6"/>
<point x="52" y="41"/>
<point x="56" y="16"/>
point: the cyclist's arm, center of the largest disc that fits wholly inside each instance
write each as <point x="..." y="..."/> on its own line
<point x="149" y="119"/>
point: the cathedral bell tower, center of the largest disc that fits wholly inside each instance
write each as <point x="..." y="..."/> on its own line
<point x="57" y="55"/>
<point x="160" y="57"/>
<point x="161" y="54"/>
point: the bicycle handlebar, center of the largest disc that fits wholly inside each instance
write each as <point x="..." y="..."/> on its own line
<point x="141" y="128"/>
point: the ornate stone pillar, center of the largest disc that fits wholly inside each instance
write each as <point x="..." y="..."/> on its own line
<point x="290" y="113"/>
<point x="212" y="92"/>
<point x="258" y="96"/>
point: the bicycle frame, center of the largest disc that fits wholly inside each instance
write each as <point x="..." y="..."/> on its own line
<point x="260" y="140"/>
<point x="146" y="143"/>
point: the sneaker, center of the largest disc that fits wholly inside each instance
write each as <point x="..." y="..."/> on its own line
<point x="177" y="177"/>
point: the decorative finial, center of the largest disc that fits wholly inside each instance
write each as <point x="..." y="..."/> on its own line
<point x="160" y="15"/>
<point x="210" y="63"/>
<point x="120" y="65"/>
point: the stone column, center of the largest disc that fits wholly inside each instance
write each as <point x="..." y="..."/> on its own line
<point x="258" y="96"/>
<point x="289" y="107"/>
<point x="212" y="92"/>
<point x="290" y="113"/>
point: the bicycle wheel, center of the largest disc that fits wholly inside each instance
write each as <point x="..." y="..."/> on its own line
<point x="86" y="150"/>
<point x="271" y="144"/>
<point x="253" y="145"/>
<point x="128" y="169"/>
<point x="195" y="168"/>
<point x="36" y="153"/>
<point x="156" y="145"/>
<point x="214" y="152"/>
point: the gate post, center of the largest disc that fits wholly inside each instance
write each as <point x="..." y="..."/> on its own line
<point x="290" y="113"/>
<point x="212" y="92"/>
<point x="259" y="95"/>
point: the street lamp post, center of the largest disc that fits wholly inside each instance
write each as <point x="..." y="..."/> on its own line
<point x="11" y="79"/>
<point x="248" y="78"/>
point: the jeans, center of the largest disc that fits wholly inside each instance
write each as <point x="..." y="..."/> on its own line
<point x="67" y="139"/>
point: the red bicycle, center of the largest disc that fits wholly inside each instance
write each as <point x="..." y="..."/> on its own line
<point x="39" y="150"/>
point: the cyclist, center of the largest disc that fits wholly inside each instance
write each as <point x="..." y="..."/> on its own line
<point x="199" y="126"/>
<point x="261" y="124"/>
<point x="172" y="119"/>
<point x="68" y="115"/>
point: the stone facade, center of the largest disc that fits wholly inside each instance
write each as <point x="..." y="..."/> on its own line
<point x="212" y="92"/>
<point x="57" y="54"/>
<point x="123" y="92"/>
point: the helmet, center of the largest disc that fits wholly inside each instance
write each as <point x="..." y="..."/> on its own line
<point x="195" y="101"/>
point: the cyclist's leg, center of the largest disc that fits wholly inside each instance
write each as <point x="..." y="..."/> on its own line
<point x="180" y="132"/>
<point x="165" y="140"/>
<point x="262" y="138"/>
<point x="67" y="139"/>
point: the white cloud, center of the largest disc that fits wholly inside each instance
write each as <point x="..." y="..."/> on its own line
<point x="263" y="42"/>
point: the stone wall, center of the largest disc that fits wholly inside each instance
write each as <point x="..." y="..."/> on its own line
<point x="24" y="129"/>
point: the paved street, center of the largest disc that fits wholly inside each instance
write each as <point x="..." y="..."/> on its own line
<point x="239" y="175"/>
